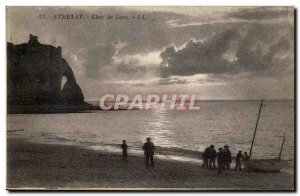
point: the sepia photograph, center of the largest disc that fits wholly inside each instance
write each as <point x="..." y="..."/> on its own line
<point x="151" y="98"/>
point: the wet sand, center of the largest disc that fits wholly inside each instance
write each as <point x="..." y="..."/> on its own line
<point x="43" y="166"/>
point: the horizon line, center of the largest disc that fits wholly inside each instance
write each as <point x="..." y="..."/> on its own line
<point x="223" y="100"/>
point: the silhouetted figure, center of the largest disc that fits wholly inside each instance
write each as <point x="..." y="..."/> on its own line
<point x="205" y="156"/>
<point x="238" y="163"/>
<point x="124" y="151"/>
<point x="149" y="148"/>
<point x="221" y="160"/>
<point x="246" y="156"/>
<point x="227" y="157"/>
<point x="212" y="157"/>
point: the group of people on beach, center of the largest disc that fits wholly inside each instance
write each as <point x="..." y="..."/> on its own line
<point x="210" y="155"/>
<point x="223" y="157"/>
<point x="148" y="148"/>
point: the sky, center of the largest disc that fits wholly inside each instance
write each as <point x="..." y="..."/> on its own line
<point x="214" y="52"/>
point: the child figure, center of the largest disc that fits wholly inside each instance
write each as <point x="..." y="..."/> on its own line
<point x="124" y="150"/>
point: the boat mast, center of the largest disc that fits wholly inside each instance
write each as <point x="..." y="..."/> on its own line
<point x="281" y="146"/>
<point x="255" y="128"/>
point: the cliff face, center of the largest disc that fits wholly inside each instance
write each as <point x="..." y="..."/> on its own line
<point x="35" y="72"/>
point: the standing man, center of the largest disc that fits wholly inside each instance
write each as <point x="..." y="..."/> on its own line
<point x="221" y="160"/>
<point x="227" y="157"/>
<point x="149" y="148"/>
<point x="246" y="156"/>
<point x="205" y="157"/>
<point x="124" y="151"/>
<point x="212" y="157"/>
<point x="238" y="163"/>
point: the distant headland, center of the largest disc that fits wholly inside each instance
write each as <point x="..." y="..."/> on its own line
<point x="34" y="80"/>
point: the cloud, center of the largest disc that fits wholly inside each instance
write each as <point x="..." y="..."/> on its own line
<point x="172" y="81"/>
<point x="253" y="57"/>
<point x="261" y="13"/>
<point x="101" y="55"/>
<point x="140" y="59"/>
<point x="266" y="50"/>
<point x="98" y="57"/>
<point x="256" y="48"/>
<point x="224" y="44"/>
<point x="197" y="57"/>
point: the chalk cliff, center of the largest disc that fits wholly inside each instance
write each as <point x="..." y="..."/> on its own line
<point x="34" y="75"/>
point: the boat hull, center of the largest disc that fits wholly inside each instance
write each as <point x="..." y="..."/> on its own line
<point x="264" y="165"/>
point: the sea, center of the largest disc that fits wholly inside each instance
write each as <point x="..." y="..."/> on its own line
<point x="177" y="135"/>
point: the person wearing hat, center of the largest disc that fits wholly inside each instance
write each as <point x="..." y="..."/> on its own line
<point x="149" y="148"/>
<point x="212" y="157"/>
<point x="124" y="151"/>
<point x="238" y="163"/>
<point x="221" y="160"/>
<point x="227" y="157"/>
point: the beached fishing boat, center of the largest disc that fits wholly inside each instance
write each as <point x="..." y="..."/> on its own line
<point x="264" y="165"/>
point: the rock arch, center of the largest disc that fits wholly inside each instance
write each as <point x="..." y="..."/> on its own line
<point x="64" y="80"/>
<point x="35" y="78"/>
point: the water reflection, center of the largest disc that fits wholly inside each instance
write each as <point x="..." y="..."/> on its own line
<point x="159" y="130"/>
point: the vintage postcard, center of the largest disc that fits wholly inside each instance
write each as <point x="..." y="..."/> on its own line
<point x="150" y="98"/>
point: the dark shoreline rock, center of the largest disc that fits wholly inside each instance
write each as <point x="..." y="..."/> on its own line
<point x="34" y="75"/>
